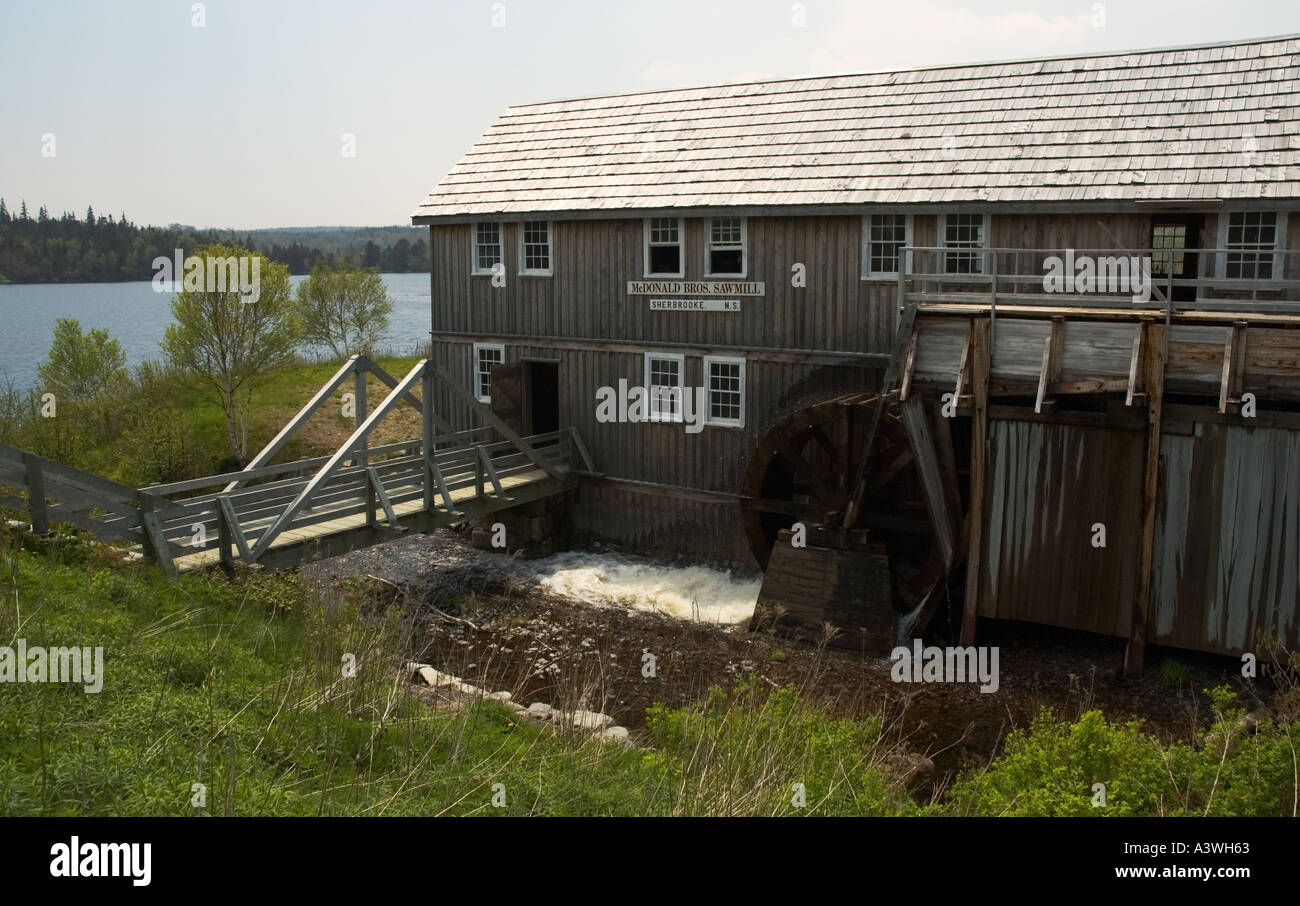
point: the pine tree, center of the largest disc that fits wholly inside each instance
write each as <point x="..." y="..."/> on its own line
<point x="22" y="215"/>
<point x="90" y="216"/>
<point x="4" y="212"/>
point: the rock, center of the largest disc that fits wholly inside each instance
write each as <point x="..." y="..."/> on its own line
<point x="499" y="696"/>
<point x="591" y="720"/>
<point x="618" y="734"/>
<point x="540" y="711"/>
<point x="437" y="678"/>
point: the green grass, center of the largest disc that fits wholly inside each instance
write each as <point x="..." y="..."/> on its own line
<point x="169" y="427"/>
<point x="238" y="686"/>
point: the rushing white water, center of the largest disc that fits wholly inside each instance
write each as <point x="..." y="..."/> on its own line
<point x="686" y="592"/>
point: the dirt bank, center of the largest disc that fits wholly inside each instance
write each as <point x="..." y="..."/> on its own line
<point x="488" y="618"/>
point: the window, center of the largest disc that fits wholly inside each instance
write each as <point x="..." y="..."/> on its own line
<point x="663" y="383"/>
<point x="1252" y="239"/>
<point x="485" y="356"/>
<point x="487" y="248"/>
<point x="964" y="233"/>
<point x="883" y="238"/>
<point x="535" y="249"/>
<point x="1168" y="240"/>
<point x="726" y="253"/>
<point x="724" y="382"/>
<point x="663" y="247"/>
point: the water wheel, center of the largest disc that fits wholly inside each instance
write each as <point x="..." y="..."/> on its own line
<point x="804" y="470"/>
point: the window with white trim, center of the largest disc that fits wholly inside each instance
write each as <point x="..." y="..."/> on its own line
<point x="963" y="236"/>
<point x="663" y="247"/>
<point x="664" y="374"/>
<point x="883" y="238"/>
<point x="726" y="251"/>
<point x="487" y="248"/>
<point x="724" y="393"/>
<point x="535" y="248"/>
<point x="485" y="356"/>
<point x="1251" y="240"/>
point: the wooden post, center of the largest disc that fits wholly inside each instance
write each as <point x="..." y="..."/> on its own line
<point x="978" y="467"/>
<point x="225" y="539"/>
<point x="426" y="423"/>
<point x="1154" y="380"/>
<point x="36" y="493"/>
<point x="362" y="458"/>
<point x="155" y="543"/>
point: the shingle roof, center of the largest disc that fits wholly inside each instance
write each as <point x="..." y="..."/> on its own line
<point x="1217" y="121"/>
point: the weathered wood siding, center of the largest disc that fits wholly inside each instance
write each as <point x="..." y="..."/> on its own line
<point x="1049" y="484"/>
<point x="1227" y="559"/>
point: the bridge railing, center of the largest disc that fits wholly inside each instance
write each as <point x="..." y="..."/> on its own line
<point x="245" y="512"/>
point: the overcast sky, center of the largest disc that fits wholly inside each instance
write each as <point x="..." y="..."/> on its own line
<point x="241" y="122"/>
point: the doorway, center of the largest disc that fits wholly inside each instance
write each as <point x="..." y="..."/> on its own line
<point x="1173" y="239"/>
<point x="543" y="383"/>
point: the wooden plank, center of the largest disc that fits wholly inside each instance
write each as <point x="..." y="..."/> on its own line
<point x="921" y="441"/>
<point x="1139" y="331"/>
<point x="1154" y="373"/>
<point x="288" y="431"/>
<point x="583" y="455"/>
<point x="905" y="327"/>
<point x="978" y="480"/>
<point x="491" y="418"/>
<point x="491" y="472"/>
<point x="441" y="484"/>
<point x="235" y="531"/>
<point x="1231" y="364"/>
<point x="963" y="366"/>
<point x="1043" y="374"/>
<point x="337" y="459"/>
<point x="378" y="487"/>
<point x="909" y="362"/>
<point x="155" y="541"/>
<point x="36" y="494"/>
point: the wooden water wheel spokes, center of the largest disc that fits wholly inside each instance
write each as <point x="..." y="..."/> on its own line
<point x="804" y="467"/>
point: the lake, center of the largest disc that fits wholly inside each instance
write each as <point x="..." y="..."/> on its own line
<point x="136" y="317"/>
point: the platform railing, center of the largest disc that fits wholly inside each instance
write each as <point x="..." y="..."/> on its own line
<point x="1224" y="279"/>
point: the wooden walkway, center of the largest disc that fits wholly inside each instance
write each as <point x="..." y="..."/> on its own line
<point x="277" y="515"/>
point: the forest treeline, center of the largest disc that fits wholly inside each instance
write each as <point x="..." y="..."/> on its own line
<point x="41" y="248"/>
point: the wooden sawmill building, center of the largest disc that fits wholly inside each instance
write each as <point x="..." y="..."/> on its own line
<point x="794" y="247"/>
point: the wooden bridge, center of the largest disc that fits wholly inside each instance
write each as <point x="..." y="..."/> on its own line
<point x="276" y="515"/>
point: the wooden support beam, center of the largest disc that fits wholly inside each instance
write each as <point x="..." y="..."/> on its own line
<point x="426" y="435"/>
<point x="486" y="462"/>
<point x="1232" y="377"/>
<point x="1154" y="379"/>
<point x="495" y="421"/>
<point x="1134" y="365"/>
<point x="964" y="366"/>
<point x="288" y="431"/>
<point x="377" y="488"/>
<point x="978" y="468"/>
<point x="344" y="452"/>
<point x="921" y="440"/>
<point x="36" y="493"/>
<point x="905" y="326"/>
<point x="362" y="459"/>
<point x="584" y="456"/>
<point x="155" y="541"/>
<point x="409" y="398"/>
<point x="231" y="530"/>
<point x="909" y="362"/>
<point x="1043" y="374"/>
<point x="1239" y="358"/>
<point x="441" y="484"/>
